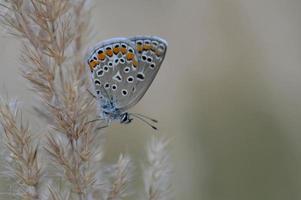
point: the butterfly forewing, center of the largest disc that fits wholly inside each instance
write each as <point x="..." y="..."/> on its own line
<point x="113" y="66"/>
<point x="150" y="52"/>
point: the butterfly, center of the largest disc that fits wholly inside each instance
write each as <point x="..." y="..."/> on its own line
<point x="122" y="69"/>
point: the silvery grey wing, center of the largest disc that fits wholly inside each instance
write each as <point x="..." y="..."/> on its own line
<point x="151" y="52"/>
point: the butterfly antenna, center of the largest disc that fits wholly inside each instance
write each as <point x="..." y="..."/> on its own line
<point x="146" y="117"/>
<point x="143" y="120"/>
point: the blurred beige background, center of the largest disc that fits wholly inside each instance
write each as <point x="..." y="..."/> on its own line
<point x="228" y="93"/>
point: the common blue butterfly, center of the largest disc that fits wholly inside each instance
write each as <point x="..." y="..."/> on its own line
<point x="122" y="69"/>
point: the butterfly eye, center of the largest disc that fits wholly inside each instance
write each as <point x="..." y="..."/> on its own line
<point x="146" y="42"/>
<point x="97" y="92"/>
<point x="110" y="63"/>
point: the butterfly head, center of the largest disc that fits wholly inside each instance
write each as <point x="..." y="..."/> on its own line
<point x="110" y="112"/>
<point x="125" y="118"/>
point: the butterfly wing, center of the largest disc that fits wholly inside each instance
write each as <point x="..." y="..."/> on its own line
<point x="151" y="52"/>
<point x="122" y="69"/>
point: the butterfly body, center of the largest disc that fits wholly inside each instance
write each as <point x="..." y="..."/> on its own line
<point x="110" y="112"/>
<point x="122" y="69"/>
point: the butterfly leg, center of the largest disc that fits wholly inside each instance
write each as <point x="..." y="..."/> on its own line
<point x="94" y="120"/>
<point x="107" y="124"/>
<point x="91" y="93"/>
<point x="101" y="127"/>
<point x="99" y="119"/>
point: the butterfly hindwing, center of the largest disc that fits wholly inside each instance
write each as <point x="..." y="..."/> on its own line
<point x="113" y="66"/>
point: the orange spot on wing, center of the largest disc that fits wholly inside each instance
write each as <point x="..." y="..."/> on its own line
<point x="139" y="48"/>
<point x="123" y="50"/>
<point x="146" y="47"/>
<point x="130" y="56"/>
<point x="109" y="52"/>
<point x="92" y="64"/>
<point x="116" y="50"/>
<point x="101" y="56"/>
<point x="135" y="63"/>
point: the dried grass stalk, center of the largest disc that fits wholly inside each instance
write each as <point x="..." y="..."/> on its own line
<point x="24" y="167"/>
<point x="53" y="34"/>
<point x="122" y="174"/>
<point x="157" y="173"/>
